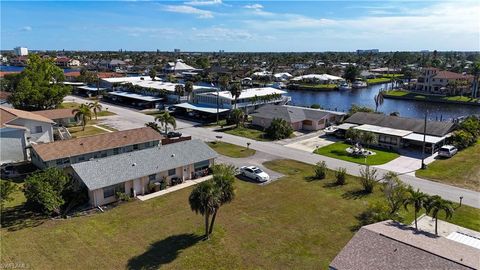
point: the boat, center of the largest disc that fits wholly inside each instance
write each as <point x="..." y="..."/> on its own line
<point x="330" y="130"/>
<point x="359" y="84"/>
<point x="344" y="86"/>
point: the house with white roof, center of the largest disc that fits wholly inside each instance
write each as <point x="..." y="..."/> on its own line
<point x="178" y="67"/>
<point x="318" y="78"/>
<point x="282" y="76"/>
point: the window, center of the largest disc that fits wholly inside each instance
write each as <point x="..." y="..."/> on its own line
<point x="151" y="177"/>
<point x="38" y="129"/>
<point x="115" y="151"/>
<point x="104" y="154"/>
<point x="66" y="161"/>
<point x="171" y="172"/>
<point x="81" y="158"/>
<point x="201" y="165"/>
<point x="135" y="147"/>
<point x="58" y="162"/>
<point x="111" y="190"/>
<point x="147" y="144"/>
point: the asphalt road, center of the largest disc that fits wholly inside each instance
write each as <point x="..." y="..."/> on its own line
<point x="127" y="118"/>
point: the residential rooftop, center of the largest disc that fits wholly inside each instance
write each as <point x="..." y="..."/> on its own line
<point x="247" y="93"/>
<point x="56" y="113"/>
<point x="9" y="114"/>
<point x="291" y="113"/>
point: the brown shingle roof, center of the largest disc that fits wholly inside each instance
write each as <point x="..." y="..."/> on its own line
<point x="9" y="114"/>
<point x="451" y="75"/>
<point x="56" y="113"/>
<point x="90" y="144"/>
<point x="391" y="245"/>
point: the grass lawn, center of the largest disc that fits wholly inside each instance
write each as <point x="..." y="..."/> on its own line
<point x="462" y="170"/>
<point x="318" y="86"/>
<point x="74" y="105"/>
<point x="407" y="94"/>
<point x="337" y="150"/>
<point x="77" y="131"/>
<point x="18" y="198"/>
<point x="231" y="150"/>
<point x="248" y="132"/>
<point x="293" y="223"/>
<point x="378" y="80"/>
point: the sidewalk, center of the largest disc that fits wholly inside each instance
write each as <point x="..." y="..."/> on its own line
<point x="187" y="183"/>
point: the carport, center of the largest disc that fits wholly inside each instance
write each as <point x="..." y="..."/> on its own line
<point x="432" y="143"/>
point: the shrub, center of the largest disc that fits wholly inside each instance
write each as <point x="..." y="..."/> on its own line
<point x="163" y="184"/>
<point x="340" y="176"/>
<point x="376" y="212"/>
<point x="463" y="139"/>
<point x="279" y="129"/>
<point x="122" y="196"/>
<point x="320" y="170"/>
<point x="368" y="179"/>
<point x="6" y="190"/>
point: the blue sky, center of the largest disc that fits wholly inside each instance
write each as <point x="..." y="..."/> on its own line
<point x="211" y="25"/>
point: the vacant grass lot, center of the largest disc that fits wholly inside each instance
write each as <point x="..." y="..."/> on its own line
<point x="231" y="150"/>
<point x="337" y="150"/>
<point x="292" y="223"/>
<point x="77" y="131"/>
<point x="248" y="132"/>
<point x="74" y="105"/>
<point x="462" y="170"/>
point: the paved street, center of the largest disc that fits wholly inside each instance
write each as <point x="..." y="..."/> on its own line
<point x="129" y="118"/>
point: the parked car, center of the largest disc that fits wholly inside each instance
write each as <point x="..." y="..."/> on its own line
<point x="174" y="134"/>
<point x="447" y="151"/>
<point x="253" y="172"/>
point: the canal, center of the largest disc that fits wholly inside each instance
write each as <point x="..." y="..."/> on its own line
<point x="343" y="100"/>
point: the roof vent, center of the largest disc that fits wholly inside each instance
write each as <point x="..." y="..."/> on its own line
<point x="81" y="143"/>
<point x="124" y="136"/>
<point x="173" y="155"/>
<point x="134" y="164"/>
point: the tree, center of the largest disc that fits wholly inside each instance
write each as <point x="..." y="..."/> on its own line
<point x="417" y="199"/>
<point x="279" y="129"/>
<point x="368" y="138"/>
<point x="83" y="113"/>
<point x="395" y="192"/>
<point x="179" y="90"/>
<point x="351" y="73"/>
<point x="40" y="85"/>
<point x="368" y="179"/>
<point x="166" y="119"/>
<point x="355" y="108"/>
<point x="476" y="79"/>
<point x="153" y="126"/>
<point x="235" y="91"/>
<point x="7" y="188"/>
<point x="463" y="139"/>
<point x="236" y="115"/>
<point x="95" y="106"/>
<point x="203" y="200"/>
<point x="378" y="98"/>
<point x="354" y="135"/>
<point x="152" y="73"/>
<point x="223" y="179"/>
<point x="44" y="189"/>
<point x="87" y="76"/>
<point x="189" y="89"/>
<point x="434" y="205"/>
<point x="224" y="82"/>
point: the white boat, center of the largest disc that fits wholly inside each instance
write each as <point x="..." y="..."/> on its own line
<point x="344" y="86"/>
<point x="359" y="84"/>
<point x="330" y="129"/>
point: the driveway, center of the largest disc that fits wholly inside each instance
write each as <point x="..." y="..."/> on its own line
<point x="311" y="144"/>
<point x="407" y="163"/>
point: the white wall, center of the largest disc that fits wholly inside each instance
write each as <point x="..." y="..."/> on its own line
<point x="12" y="145"/>
<point x="42" y="137"/>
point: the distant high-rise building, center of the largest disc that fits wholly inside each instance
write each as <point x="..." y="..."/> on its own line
<point x="20" y="51"/>
<point x="221" y="51"/>
<point x="176" y="50"/>
<point x="367" y="51"/>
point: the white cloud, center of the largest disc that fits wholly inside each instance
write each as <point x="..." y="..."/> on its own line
<point x="254" y="6"/>
<point x="203" y="3"/>
<point x="223" y="34"/>
<point x="26" y="28"/>
<point x="202" y="14"/>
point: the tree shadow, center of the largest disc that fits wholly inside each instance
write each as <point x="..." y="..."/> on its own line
<point x="20" y="217"/>
<point x="311" y="178"/>
<point x="354" y="194"/>
<point x="163" y="251"/>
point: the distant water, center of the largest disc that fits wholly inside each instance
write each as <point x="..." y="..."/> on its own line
<point x="343" y="100"/>
<point x="19" y="69"/>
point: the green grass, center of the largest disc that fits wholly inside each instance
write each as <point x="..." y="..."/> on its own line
<point x="248" y="132"/>
<point x="337" y="150"/>
<point x="74" y="105"/>
<point x="318" y="86"/>
<point x="107" y="127"/>
<point x="378" y="80"/>
<point x="293" y="223"/>
<point x="395" y="75"/>
<point x="407" y="94"/>
<point x="462" y="170"/>
<point x="77" y="131"/>
<point x="18" y="198"/>
<point x="231" y="150"/>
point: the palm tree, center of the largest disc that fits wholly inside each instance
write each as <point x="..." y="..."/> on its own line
<point x="378" y="98"/>
<point x="368" y="138"/>
<point x="179" y="90"/>
<point x="434" y="205"/>
<point x="353" y="134"/>
<point x="95" y="106"/>
<point x="236" y="90"/>
<point x="237" y="116"/>
<point x="166" y="119"/>
<point x="417" y="199"/>
<point x="189" y="89"/>
<point x="83" y="112"/>
<point x="152" y="73"/>
<point x="223" y="179"/>
<point x="204" y="200"/>
<point x="153" y="125"/>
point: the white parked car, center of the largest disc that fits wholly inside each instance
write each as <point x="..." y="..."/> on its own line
<point x="253" y="172"/>
<point x="447" y="151"/>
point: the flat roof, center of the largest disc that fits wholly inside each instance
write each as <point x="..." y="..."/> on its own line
<point x="147" y="82"/>
<point x="200" y="107"/>
<point x="346" y="126"/>
<point x="134" y="96"/>
<point x="88" y="88"/>
<point x="419" y="138"/>
<point x="247" y="93"/>
<point x="73" y="83"/>
<point x="465" y="239"/>
<point x="384" y="130"/>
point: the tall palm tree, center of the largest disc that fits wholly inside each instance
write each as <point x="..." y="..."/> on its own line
<point x="166" y="119"/>
<point x="95" y="106"/>
<point x="179" y="90"/>
<point x="368" y="138"/>
<point x="434" y="205"/>
<point x="235" y="90"/>
<point x="223" y="179"/>
<point x="353" y="134"/>
<point x="203" y="200"/>
<point x="189" y="89"/>
<point x="417" y="199"/>
<point x="237" y="116"/>
<point x="153" y="126"/>
<point x="84" y="113"/>
<point x="378" y="98"/>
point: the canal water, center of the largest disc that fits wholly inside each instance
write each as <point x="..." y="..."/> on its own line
<point x="343" y="100"/>
<point x="19" y="69"/>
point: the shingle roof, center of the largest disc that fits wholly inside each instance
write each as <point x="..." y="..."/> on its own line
<point x="120" y="168"/>
<point x="391" y="245"/>
<point x="9" y="114"/>
<point x="435" y="128"/>
<point x="90" y="144"/>
<point x="56" y="113"/>
<point x="444" y="74"/>
<point x="291" y="114"/>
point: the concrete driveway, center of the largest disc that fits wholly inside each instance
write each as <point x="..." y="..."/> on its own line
<point x="311" y="144"/>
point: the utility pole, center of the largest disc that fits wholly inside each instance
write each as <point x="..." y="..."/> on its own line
<point x="424" y="166"/>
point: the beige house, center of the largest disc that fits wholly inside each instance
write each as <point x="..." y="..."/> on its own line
<point x="442" y="82"/>
<point x="134" y="173"/>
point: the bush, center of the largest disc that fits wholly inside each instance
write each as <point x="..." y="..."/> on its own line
<point x="376" y="212"/>
<point x="340" y="176"/>
<point x="463" y="139"/>
<point x="122" y="196"/>
<point x="368" y="179"/>
<point x="279" y="129"/>
<point x="7" y="188"/>
<point x="320" y="170"/>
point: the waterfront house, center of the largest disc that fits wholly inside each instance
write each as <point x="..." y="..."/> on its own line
<point x="298" y="117"/>
<point x="62" y="154"/>
<point x="135" y="172"/>
<point x="442" y="82"/>
<point x="20" y="129"/>
<point x="317" y="78"/>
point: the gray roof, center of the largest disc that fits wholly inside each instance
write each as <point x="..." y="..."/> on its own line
<point x="391" y="245"/>
<point x="291" y="114"/>
<point x="435" y="128"/>
<point x="116" y="169"/>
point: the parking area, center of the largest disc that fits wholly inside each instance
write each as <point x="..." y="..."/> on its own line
<point x="310" y="144"/>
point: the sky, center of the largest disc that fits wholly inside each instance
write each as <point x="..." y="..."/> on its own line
<point x="259" y="26"/>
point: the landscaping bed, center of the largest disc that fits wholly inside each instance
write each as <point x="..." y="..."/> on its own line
<point x="337" y="150"/>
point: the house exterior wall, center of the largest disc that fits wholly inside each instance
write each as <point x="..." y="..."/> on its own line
<point x="261" y="122"/>
<point x="12" y="144"/>
<point x="45" y="136"/>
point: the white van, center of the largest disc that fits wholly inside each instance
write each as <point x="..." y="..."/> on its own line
<point x="447" y="151"/>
